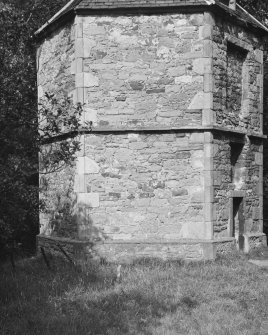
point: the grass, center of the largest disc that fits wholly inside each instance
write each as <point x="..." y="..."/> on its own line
<point x="229" y="296"/>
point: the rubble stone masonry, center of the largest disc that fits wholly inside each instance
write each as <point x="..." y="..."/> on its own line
<point x="167" y="95"/>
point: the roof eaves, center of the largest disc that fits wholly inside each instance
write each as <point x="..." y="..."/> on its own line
<point x="243" y="16"/>
<point x="85" y="6"/>
<point x="65" y="10"/>
<point x="253" y="18"/>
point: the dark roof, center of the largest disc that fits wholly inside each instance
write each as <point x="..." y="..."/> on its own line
<point x="102" y="4"/>
<point x="74" y="6"/>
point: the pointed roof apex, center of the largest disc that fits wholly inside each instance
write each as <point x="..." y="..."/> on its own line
<point x="98" y="6"/>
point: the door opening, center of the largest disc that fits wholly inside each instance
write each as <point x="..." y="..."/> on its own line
<point x="238" y="222"/>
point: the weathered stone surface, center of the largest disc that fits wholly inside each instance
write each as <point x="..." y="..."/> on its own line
<point x="54" y="60"/>
<point x="131" y="89"/>
<point x="236" y="68"/>
<point x="136" y="75"/>
<point x="245" y="177"/>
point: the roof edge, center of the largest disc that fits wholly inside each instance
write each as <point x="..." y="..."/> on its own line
<point x="70" y="5"/>
<point x="70" y="10"/>
<point x="252" y="17"/>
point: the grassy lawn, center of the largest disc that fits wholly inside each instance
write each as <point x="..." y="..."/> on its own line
<point x="229" y="296"/>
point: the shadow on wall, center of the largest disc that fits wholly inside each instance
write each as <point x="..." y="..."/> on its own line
<point x="65" y="216"/>
<point x="73" y="220"/>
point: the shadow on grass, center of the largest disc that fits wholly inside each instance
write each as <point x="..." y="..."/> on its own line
<point x="68" y="300"/>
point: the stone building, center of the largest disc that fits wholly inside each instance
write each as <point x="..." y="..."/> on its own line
<point x="173" y="164"/>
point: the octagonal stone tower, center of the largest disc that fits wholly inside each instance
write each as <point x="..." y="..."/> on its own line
<point x="173" y="165"/>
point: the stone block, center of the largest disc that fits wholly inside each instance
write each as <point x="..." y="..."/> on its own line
<point x="208" y="211"/>
<point x="207" y="48"/>
<point x="80" y="184"/>
<point x="208" y="151"/>
<point x="208" y="137"/>
<point x="202" y="65"/>
<point x="196" y="19"/>
<point x="259" y="158"/>
<point x="205" y="32"/>
<point x="86" y="165"/>
<point x="79" y="30"/>
<point x="79" y="80"/>
<point x="197" y="138"/>
<point x="197" y="159"/>
<point x="93" y="29"/>
<point x="79" y="65"/>
<point x="197" y="101"/>
<point x="208" y="116"/>
<point x="73" y="67"/>
<point x="208" y="178"/>
<point x="208" y="82"/>
<point x="79" y="48"/>
<point x="90" y="80"/>
<point x="194" y="230"/>
<point x="197" y="197"/>
<point x="90" y="115"/>
<point x="91" y="200"/>
<point x="88" y="44"/>
<point x="40" y="91"/>
<point x="179" y="192"/>
<point x="208" y="164"/>
<point x="208" y="101"/>
<point x="209" y="18"/>
<point x="209" y="194"/>
<point x="80" y="95"/>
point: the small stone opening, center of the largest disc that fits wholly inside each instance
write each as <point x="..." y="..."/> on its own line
<point x="236" y="150"/>
<point x="238" y="222"/>
<point x="236" y="58"/>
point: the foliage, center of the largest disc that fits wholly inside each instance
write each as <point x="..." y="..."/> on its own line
<point x="257" y="8"/>
<point x="19" y="136"/>
<point x="57" y="117"/>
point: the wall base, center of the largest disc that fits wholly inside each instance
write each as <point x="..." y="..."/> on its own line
<point x="128" y="251"/>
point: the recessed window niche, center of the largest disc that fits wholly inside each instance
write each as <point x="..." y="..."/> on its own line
<point x="236" y="73"/>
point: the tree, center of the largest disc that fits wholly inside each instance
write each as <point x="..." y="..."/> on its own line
<point x="20" y="133"/>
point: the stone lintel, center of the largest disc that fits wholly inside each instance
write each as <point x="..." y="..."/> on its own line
<point x="237" y="194"/>
<point x="238" y="42"/>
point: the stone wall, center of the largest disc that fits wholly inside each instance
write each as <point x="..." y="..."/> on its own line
<point x="265" y="147"/>
<point x="143" y="184"/>
<point x="247" y="183"/>
<point x="58" y="203"/>
<point x="131" y="186"/>
<point x="54" y="58"/>
<point x="237" y="67"/>
<point x="137" y="71"/>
